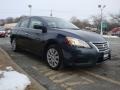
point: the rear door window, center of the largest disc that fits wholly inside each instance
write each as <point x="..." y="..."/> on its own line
<point x="35" y="22"/>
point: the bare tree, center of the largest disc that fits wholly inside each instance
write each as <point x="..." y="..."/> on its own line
<point x="9" y="20"/>
<point x="2" y="22"/>
<point x="80" y="23"/>
<point x="76" y="21"/>
<point x="115" y="18"/>
<point x="96" y="21"/>
<point x="114" y="21"/>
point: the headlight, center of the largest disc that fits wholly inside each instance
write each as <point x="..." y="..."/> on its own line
<point x="76" y="42"/>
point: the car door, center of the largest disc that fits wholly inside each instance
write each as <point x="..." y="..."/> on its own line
<point x="22" y="34"/>
<point x="35" y="36"/>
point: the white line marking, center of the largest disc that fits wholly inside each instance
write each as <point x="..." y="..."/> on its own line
<point x="50" y="73"/>
<point x="84" y="81"/>
<point x="44" y="70"/>
<point x="76" y="83"/>
<point x="69" y="88"/>
<point x="57" y="75"/>
<point x="64" y="79"/>
<point x="34" y="67"/>
<point x="102" y="77"/>
<point x="63" y="85"/>
<point x="88" y="80"/>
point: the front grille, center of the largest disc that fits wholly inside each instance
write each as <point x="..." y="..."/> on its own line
<point x="102" y="46"/>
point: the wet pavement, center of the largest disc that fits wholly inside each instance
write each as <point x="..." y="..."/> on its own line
<point x="105" y="76"/>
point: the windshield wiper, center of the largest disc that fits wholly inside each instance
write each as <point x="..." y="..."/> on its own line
<point x="66" y="28"/>
<point x="74" y="28"/>
<point x="56" y="27"/>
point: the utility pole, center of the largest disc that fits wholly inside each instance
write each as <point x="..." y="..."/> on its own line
<point x="101" y="23"/>
<point x="51" y="14"/>
<point x="30" y="7"/>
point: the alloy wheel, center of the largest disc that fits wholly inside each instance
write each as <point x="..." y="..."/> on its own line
<point x="13" y="45"/>
<point x="53" y="57"/>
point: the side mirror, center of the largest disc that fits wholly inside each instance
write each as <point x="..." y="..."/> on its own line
<point x="44" y="29"/>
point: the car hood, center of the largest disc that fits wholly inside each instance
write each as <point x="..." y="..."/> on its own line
<point x="86" y="35"/>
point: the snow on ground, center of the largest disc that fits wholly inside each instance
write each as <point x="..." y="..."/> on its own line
<point x="109" y="36"/>
<point x="13" y="80"/>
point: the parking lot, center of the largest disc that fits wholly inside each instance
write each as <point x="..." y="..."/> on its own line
<point x="104" y="76"/>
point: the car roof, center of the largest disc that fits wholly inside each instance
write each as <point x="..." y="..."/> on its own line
<point x="43" y="17"/>
<point x="39" y="17"/>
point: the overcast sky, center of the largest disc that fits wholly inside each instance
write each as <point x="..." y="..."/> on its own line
<point x="82" y="9"/>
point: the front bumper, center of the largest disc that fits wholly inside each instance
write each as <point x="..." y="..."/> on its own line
<point x="84" y="56"/>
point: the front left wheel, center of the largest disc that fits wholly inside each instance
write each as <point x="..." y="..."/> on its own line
<point x="54" y="57"/>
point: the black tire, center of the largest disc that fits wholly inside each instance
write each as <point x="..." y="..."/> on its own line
<point x="57" y="53"/>
<point x="14" y="45"/>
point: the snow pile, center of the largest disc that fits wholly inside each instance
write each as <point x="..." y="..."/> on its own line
<point x="109" y="36"/>
<point x="13" y="80"/>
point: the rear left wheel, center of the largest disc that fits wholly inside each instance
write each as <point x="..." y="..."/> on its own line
<point x="14" y="45"/>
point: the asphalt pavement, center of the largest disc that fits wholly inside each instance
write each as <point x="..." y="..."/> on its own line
<point x="105" y="76"/>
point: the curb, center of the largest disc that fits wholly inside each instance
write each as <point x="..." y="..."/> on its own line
<point x="34" y="84"/>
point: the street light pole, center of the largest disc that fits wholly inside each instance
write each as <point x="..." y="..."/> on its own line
<point x="101" y="29"/>
<point x="30" y="6"/>
<point x="51" y="14"/>
<point x="101" y="23"/>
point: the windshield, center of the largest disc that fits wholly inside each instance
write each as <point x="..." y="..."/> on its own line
<point x="59" y="23"/>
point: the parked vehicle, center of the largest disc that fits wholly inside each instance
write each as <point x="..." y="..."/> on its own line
<point x="2" y="32"/>
<point x="59" y="42"/>
<point x="115" y="31"/>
